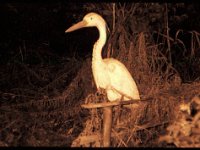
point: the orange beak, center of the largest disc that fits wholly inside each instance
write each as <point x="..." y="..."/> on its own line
<point x="76" y="26"/>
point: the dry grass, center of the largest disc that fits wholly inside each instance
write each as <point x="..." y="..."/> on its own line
<point x="184" y="132"/>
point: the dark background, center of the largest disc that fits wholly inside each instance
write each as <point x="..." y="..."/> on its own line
<point x="43" y="24"/>
<point x="38" y="28"/>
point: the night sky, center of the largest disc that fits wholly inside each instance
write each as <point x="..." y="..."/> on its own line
<point x="44" y="24"/>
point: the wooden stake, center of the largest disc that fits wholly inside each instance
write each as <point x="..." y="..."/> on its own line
<point x="107" y="125"/>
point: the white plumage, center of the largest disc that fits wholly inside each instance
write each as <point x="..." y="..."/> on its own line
<point x="109" y="74"/>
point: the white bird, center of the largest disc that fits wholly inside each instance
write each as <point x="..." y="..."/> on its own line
<point x="109" y="74"/>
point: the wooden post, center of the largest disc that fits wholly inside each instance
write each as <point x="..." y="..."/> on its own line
<point x="107" y="125"/>
<point x="107" y="115"/>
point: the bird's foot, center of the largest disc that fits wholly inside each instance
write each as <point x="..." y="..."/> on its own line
<point x="101" y="95"/>
<point x="101" y="91"/>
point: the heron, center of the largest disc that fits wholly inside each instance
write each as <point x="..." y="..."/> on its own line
<point x="109" y="73"/>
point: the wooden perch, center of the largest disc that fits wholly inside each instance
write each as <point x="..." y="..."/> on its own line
<point x="115" y="103"/>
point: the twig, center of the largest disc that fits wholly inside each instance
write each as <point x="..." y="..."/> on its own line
<point x="150" y="125"/>
<point x="115" y="103"/>
<point x="118" y="137"/>
<point x="167" y="30"/>
<point x="113" y="29"/>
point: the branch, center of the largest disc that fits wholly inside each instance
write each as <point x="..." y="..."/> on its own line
<point x="115" y="103"/>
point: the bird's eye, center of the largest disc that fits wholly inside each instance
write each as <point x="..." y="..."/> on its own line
<point x="91" y="18"/>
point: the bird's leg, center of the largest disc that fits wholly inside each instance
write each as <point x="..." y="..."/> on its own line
<point x="119" y="110"/>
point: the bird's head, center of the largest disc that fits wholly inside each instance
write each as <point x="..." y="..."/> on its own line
<point x="89" y="20"/>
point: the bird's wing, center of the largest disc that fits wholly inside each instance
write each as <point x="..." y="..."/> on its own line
<point x="121" y="79"/>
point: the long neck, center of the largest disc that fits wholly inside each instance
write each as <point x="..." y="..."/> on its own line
<point x="97" y="49"/>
